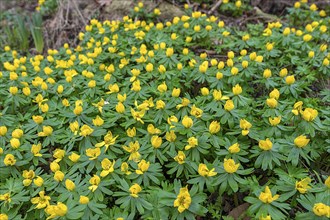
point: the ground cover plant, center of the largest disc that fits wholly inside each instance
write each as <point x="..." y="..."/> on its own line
<point x="147" y="120"/>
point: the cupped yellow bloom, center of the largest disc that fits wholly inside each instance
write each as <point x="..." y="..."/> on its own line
<point x="42" y="201"/>
<point x="46" y="131"/>
<point x="3" y="130"/>
<point x="3" y="216"/>
<point x="290" y="80"/>
<point x="109" y="140"/>
<point x="185" y="102"/>
<point x="237" y="89"/>
<point x="183" y="200"/>
<point x="69" y="184"/>
<point x="74" y="127"/>
<point x="54" y="166"/>
<point x="297" y="108"/>
<point x="233" y="149"/>
<point x="133" y="150"/>
<point x="309" y="114"/>
<point x="93" y="153"/>
<point x="138" y="115"/>
<point x="170" y="136"/>
<point x="268" y="217"/>
<point x="15" y="143"/>
<point x="230" y="166"/>
<point x="58" y="176"/>
<point x="59" y="154"/>
<point x="134" y="190"/>
<point x="274" y="94"/>
<point x="187" y="122"/>
<point x="271" y="102"/>
<point x="274" y="121"/>
<point x="267" y="73"/>
<point x="94" y="181"/>
<point x="321" y="209"/>
<point x="9" y="160"/>
<point x="143" y="167"/>
<point x="58" y="210"/>
<point x="180" y="157"/>
<point x="98" y="121"/>
<point x="156" y="141"/>
<point x="265" y="144"/>
<point x="17" y="133"/>
<point x="162" y="87"/>
<point x="192" y="142"/>
<point x="107" y="166"/>
<point x="229" y="105"/>
<point x="301" y="141"/>
<point x="214" y="127"/>
<point x="74" y="157"/>
<point x="85" y="130"/>
<point x="327" y="182"/>
<point x="131" y="132"/>
<point x="245" y="126"/>
<point x="204" y="171"/>
<point x="302" y="186"/>
<point x="83" y="200"/>
<point x="176" y="92"/>
<point x="266" y="197"/>
<point x="38" y="119"/>
<point x="38" y="181"/>
<point x="28" y="176"/>
<point x="197" y="112"/>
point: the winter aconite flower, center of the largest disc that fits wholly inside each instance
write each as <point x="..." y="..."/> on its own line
<point x="183" y="199"/>
<point x="265" y="144"/>
<point x="301" y="141"/>
<point x="230" y="166"/>
<point x="214" y="127"/>
<point x="321" y="209"/>
<point x="56" y="210"/>
<point x="46" y="131"/>
<point x="85" y="130"/>
<point x="83" y="200"/>
<point x="309" y="114"/>
<point x="107" y="167"/>
<point x="94" y="182"/>
<point x="274" y="121"/>
<point x="180" y="157"/>
<point x="204" y="171"/>
<point x="302" y="186"/>
<point x="234" y="149"/>
<point x="109" y="140"/>
<point x="266" y="197"/>
<point x="187" y="122"/>
<point x="134" y="190"/>
<point x="143" y="167"/>
<point x="9" y="160"/>
<point x="245" y="126"/>
<point x="42" y="201"/>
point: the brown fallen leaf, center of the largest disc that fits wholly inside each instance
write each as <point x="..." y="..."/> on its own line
<point x="239" y="212"/>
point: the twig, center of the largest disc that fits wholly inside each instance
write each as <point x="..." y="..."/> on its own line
<point x="79" y="13"/>
<point x="215" y="7"/>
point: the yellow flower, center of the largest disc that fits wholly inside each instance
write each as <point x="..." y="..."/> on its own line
<point x="85" y="130"/>
<point x="69" y="184"/>
<point x="156" y="141"/>
<point x="268" y="217"/>
<point x="265" y="144"/>
<point x="302" y="186"/>
<point x="58" y="176"/>
<point x="169" y="52"/>
<point x="233" y="149"/>
<point x="301" y="141"/>
<point x="42" y="201"/>
<point x="185" y="102"/>
<point x="17" y="133"/>
<point x="187" y="122"/>
<point x="214" y="127"/>
<point x="290" y="80"/>
<point x="192" y="142"/>
<point x="230" y="166"/>
<point x="9" y="160"/>
<point x="183" y="200"/>
<point x="74" y="157"/>
<point x="135" y="189"/>
<point x="180" y="157"/>
<point x="93" y="153"/>
<point x="234" y="71"/>
<point x="271" y="102"/>
<point x="162" y="87"/>
<point x="266" y="197"/>
<point x="138" y="115"/>
<point x="204" y="171"/>
<point x="74" y="127"/>
<point x="54" y="166"/>
<point x="107" y="166"/>
<point x="3" y="216"/>
<point x="98" y="121"/>
<point x="170" y="136"/>
<point x="94" y="181"/>
<point x="245" y="126"/>
<point x="229" y="105"/>
<point x="109" y="140"/>
<point x="131" y="132"/>
<point x="143" y="167"/>
<point x="274" y="121"/>
<point x="28" y="176"/>
<point x="15" y="143"/>
<point x="56" y="210"/>
<point x="309" y="114"/>
<point x="133" y="150"/>
<point x="321" y="209"/>
<point x="237" y="89"/>
<point x="327" y="182"/>
<point x="197" y="112"/>
<point x="124" y="168"/>
<point x="160" y="104"/>
<point x="59" y="154"/>
<point x="38" y="119"/>
<point x="205" y="91"/>
<point x="38" y="181"/>
<point x="149" y="67"/>
<point x="275" y="94"/>
<point x="46" y="131"/>
<point x="83" y="200"/>
<point x="297" y="108"/>
<point x="307" y="37"/>
<point x="176" y="92"/>
<point x="267" y="73"/>
<point x="5" y="197"/>
<point x="3" y="130"/>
